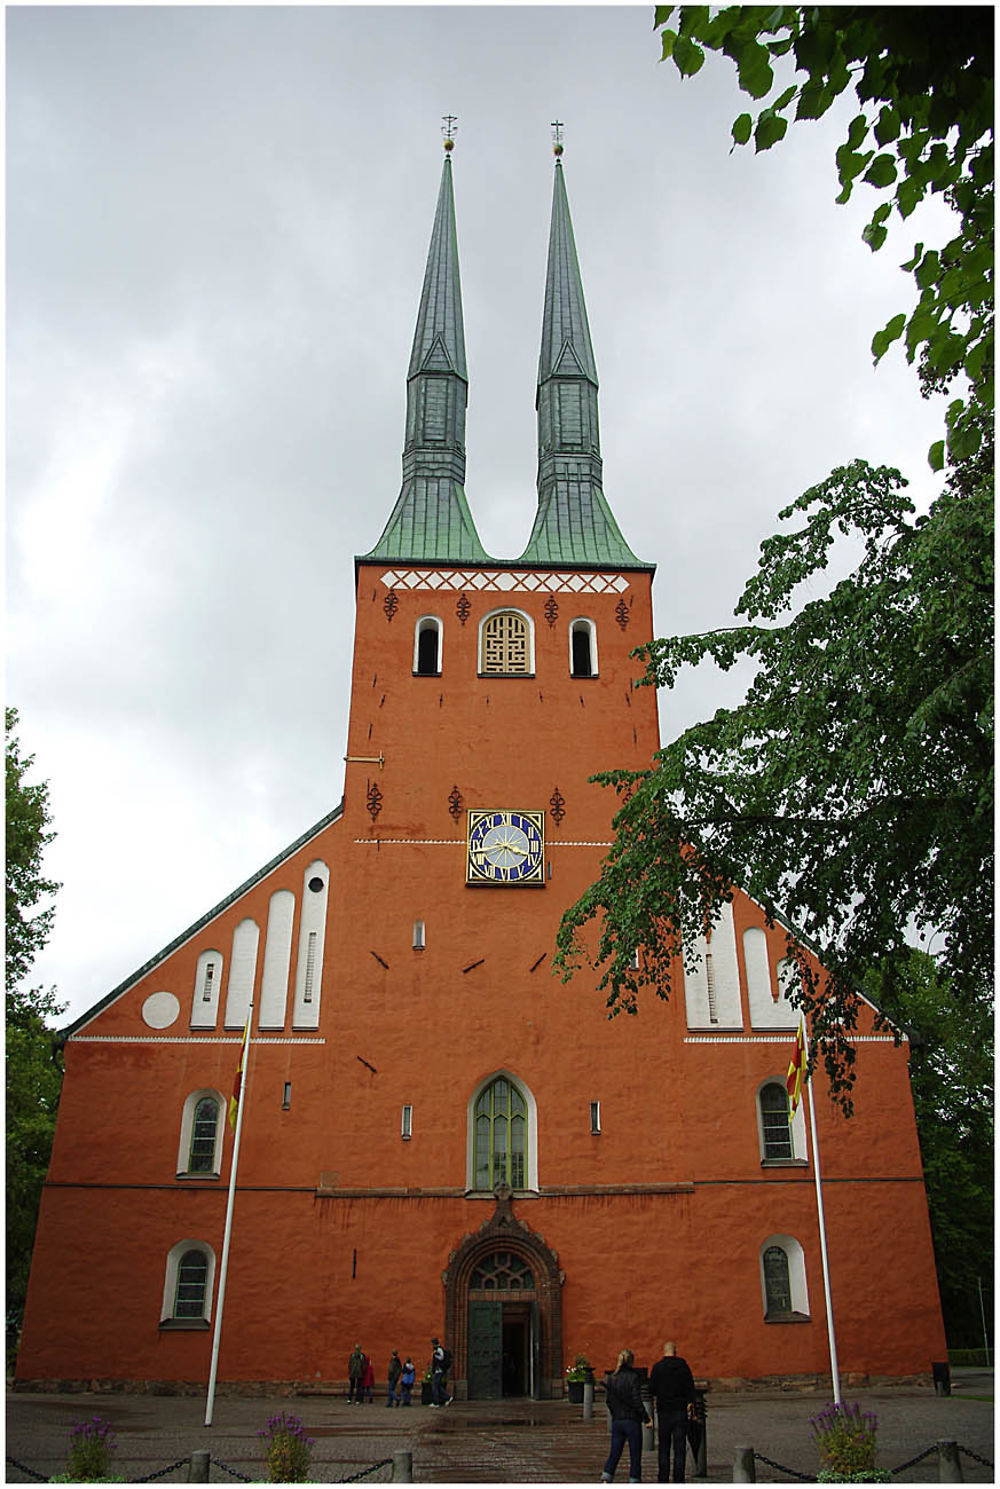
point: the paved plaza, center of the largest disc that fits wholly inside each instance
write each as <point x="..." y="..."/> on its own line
<point x="486" y="1442"/>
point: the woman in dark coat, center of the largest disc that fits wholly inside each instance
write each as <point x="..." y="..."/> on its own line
<point x="624" y="1401"/>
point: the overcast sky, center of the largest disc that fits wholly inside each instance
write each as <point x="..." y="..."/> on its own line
<point x="217" y="223"/>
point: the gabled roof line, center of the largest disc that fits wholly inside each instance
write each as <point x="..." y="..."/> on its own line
<point x="199" y="925"/>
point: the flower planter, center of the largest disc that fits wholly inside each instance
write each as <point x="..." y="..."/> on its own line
<point x="574" y="1390"/>
<point x="425" y="1393"/>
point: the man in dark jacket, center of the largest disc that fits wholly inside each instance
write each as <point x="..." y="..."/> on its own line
<point x="672" y="1385"/>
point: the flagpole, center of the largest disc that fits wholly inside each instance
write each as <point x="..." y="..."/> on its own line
<point x="834" y="1370"/>
<point x="224" y="1266"/>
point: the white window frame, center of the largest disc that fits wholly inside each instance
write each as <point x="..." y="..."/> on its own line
<point x="522" y="615"/>
<point x="584" y="622"/>
<point x="530" y="1137"/>
<point x="427" y="623"/>
<point x="796" y="1122"/>
<point x="187" y="1127"/>
<point x="205" y="1011"/>
<point x="167" y="1319"/>
<point x="406" y="1122"/>
<point x="796" y="1279"/>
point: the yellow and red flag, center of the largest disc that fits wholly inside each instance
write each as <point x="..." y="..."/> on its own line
<point x="234" y="1100"/>
<point x="796" y="1068"/>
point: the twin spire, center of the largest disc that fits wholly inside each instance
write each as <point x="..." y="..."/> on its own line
<point x="431" y="521"/>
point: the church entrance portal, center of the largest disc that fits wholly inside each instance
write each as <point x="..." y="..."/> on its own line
<point x="503" y="1311"/>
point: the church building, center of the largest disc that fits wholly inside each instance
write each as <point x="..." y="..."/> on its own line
<point x="438" y="1136"/>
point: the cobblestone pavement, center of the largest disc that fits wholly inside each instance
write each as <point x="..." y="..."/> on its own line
<point x="484" y="1442"/>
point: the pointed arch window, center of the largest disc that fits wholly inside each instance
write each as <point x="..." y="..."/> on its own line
<point x="501" y="1130"/>
<point x="505" y="649"/>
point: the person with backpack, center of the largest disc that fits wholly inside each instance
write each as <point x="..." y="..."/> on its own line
<point x="406" y="1381"/>
<point x="440" y="1365"/>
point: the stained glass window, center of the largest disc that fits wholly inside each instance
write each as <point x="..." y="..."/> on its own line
<point x="775" y="1122"/>
<point x="777" y="1287"/>
<point x="501" y="1119"/>
<point x="201" y="1159"/>
<point x="192" y="1279"/>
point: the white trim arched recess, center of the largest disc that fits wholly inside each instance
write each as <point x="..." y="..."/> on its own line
<point x="531" y="1134"/>
<point x="187" y="1127"/>
<point x="168" y="1317"/>
<point x="530" y="634"/>
<point x="798" y="1291"/>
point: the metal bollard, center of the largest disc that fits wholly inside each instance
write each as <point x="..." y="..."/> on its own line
<point x="647" y="1427"/>
<point x="201" y="1458"/>
<point x="949" y="1463"/>
<point x="588" y="1396"/>
<point x="402" y="1468"/>
<point x="744" y="1468"/>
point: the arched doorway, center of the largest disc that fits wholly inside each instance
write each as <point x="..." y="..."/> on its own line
<point x="503" y="1309"/>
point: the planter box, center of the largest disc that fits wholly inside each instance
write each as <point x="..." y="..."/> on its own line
<point x="574" y="1390"/>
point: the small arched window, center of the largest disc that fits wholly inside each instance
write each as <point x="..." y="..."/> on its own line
<point x="506" y="645"/>
<point x="583" y="648"/>
<point x="199" y="1152"/>
<point x="187" y="1286"/>
<point x="427" y="647"/>
<point x="783" y="1281"/>
<point x="777" y="1284"/>
<point x="192" y="1281"/>
<point x="501" y="1122"/>
<point x="775" y="1122"/>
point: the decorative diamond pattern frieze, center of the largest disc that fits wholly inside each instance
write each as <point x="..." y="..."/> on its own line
<point x="505" y="581"/>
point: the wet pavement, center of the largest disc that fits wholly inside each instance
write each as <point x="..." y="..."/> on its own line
<point x="471" y="1442"/>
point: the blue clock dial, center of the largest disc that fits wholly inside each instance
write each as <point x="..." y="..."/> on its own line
<point x="506" y="848"/>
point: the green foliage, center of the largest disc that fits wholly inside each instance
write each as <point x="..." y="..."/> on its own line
<point x="924" y="83"/>
<point x="853" y="787"/>
<point x="27" y="835"/>
<point x="92" y="1446"/>
<point x="287" y="1449"/>
<point x="952" y="1080"/>
<point x="847" y="1441"/>
<point x="34" y="1076"/>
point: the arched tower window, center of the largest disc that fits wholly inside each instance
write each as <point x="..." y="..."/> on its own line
<point x="583" y="648"/>
<point x="782" y="1135"/>
<point x="505" y="645"/>
<point x="501" y="1130"/>
<point x="427" y="647"/>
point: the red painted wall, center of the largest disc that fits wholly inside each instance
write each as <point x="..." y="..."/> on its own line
<point x="315" y="1267"/>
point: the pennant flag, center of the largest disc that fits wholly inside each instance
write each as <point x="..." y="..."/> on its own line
<point x="796" y="1068"/>
<point x="234" y="1100"/>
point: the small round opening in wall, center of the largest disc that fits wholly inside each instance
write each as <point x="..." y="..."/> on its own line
<point x="316" y="885"/>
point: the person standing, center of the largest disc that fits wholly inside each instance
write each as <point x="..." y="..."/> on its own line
<point x="392" y="1376"/>
<point x="369" y="1379"/>
<point x="406" y="1380"/>
<point x="356" y="1375"/>
<point x="624" y="1401"/>
<point x="440" y="1360"/>
<point x="672" y="1385"/>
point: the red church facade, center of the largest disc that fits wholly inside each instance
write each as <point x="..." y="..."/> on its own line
<point x="439" y="1137"/>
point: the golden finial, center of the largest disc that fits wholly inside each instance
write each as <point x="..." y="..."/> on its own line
<point x="448" y="129"/>
<point x="557" y="144"/>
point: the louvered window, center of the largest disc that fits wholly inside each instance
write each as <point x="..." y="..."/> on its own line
<point x="310" y="977"/>
<point x="505" y="644"/>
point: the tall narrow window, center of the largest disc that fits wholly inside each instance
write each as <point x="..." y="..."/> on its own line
<point x="427" y="647"/>
<point x="775" y="1122"/>
<point x="204" y="1129"/>
<point x="506" y="646"/>
<point x="583" y="648"/>
<point x="713" y="1012"/>
<point x="500" y="1133"/>
<point x="307" y="991"/>
<point x="207" y="982"/>
<point x="192" y="1276"/>
<point x="777" y="1283"/>
<point x="406" y="1124"/>
<point x="595" y="1117"/>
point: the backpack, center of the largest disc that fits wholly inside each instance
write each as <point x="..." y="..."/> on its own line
<point x="446" y="1360"/>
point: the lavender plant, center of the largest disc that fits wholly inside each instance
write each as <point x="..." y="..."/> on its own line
<point x="847" y="1441"/>
<point x="92" y="1446"/>
<point x="287" y="1449"/>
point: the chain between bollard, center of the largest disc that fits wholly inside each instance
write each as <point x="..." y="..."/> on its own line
<point x="918" y="1459"/>
<point x="986" y="1462"/>
<point x="244" y="1478"/>
<point x="41" y="1477"/>
<point x="807" y="1478"/>
<point x="372" y="1468"/>
<point x="159" y="1472"/>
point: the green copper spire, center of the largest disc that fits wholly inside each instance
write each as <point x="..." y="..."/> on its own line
<point x="431" y="521"/>
<point x="573" y="524"/>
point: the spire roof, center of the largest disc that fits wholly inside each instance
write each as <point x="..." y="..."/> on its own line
<point x="431" y="521"/>
<point x="573" y="524"/>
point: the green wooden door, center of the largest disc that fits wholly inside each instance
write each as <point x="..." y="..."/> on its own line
<point x="485" y="1350"/>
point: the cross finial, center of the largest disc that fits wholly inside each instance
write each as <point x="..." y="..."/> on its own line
<point x="448" y="129"/>
<point x="557" y="144"/>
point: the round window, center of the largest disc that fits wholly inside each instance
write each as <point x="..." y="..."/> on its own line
<point x="316" y="885"/>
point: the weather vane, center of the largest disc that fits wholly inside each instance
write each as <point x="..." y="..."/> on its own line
<point x="557" y="144"/>
<point x="448" y="129"/>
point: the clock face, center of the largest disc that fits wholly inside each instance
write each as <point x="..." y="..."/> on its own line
<point x="506" y="848"/>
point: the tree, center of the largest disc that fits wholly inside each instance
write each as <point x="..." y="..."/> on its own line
<point x="851" y="792"/>
<point x="951" y="1078"/>
<point x="924" y="80"/>
<point x="34" y="1076"/>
